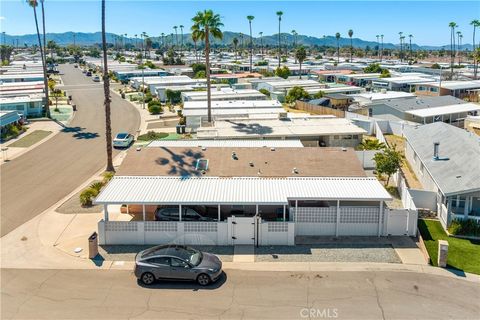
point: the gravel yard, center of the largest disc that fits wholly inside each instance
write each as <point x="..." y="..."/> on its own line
<point x="127" y="253"/>
<point x="328" y="253"/>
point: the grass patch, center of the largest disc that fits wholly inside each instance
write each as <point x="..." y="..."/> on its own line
<point x="151" y="135"/>
<point x="30" y="139"/>
<point x="63" y="113"/>
<point x="463" y="254"/>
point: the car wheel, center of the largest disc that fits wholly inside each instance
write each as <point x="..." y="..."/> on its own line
<point x="203" y="279"/>
<point x="147" y="278"/>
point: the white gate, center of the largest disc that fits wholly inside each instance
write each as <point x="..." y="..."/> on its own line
<point x="242" y="230"/>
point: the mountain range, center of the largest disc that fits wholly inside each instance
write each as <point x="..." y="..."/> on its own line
<point x="82" y="38"/>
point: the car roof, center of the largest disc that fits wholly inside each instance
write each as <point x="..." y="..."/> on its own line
<point x="166" y="250"/>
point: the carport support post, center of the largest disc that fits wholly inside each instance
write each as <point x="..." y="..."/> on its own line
<point x="143" y="208"/>
<point x="180" y="212"/>
<point x="380" y="213"/>
<point x="105" y="211"/>
<point x="296" y="210"/>
<point x="219" y="214"/>
<point x="338" y="218"/>
<point x="284" y="213"/>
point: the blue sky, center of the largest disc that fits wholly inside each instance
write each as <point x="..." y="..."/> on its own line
<point x="426" y="20"/>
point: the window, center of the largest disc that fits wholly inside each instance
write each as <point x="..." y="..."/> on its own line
<point x="433" y="89"/>
<point x="355" y="136"/>
<point x="164" y="261"/>
<point x="347" y="137"/>
<point x="178" y="263"/>
<point x="421" y="88"/>
<point x="336" y="137"/>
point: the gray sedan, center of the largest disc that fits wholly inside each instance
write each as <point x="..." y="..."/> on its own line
<point x="176" y="262"/>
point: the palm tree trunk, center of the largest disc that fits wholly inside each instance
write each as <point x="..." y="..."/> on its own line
<point x="251" y="46"/>
<point x="195" y="48"/>
<point x="475" y="62"/>
<point x="279" y="43"/>
<point x="300" y="69"/>
<point x="207" y="67"/>
<point x="45" y="79"/>
<point x="351" y="50"/>
<point x="106" y="92"/>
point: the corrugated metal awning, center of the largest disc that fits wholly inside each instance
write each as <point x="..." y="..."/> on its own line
<point x="239" y="190"/>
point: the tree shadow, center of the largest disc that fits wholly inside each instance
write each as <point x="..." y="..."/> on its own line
<point x="252" y="128"/>
<point x="79" y="133"/>
<point x="183" y="164"/>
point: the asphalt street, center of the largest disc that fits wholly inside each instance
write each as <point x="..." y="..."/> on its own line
<point x="41" y="177"/>
<point x="113" y="294"/>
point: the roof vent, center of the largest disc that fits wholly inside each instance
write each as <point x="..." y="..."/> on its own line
<point x="344" y="149"/>
<point x="436" y="150"/>
<point x="295" y="170"/>
<point x="204" y="148"/>
<point x="272" y="149"/>
<point x="234" y="155"/>
<point x="139" y="149"/>
<point x="251" y="164"/>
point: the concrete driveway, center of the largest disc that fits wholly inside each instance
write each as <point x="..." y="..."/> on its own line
<point x="41" y="177"/>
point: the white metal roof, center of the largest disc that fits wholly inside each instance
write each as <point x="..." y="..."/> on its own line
<point x="451" y="109"/>
<point x="250" y="143"/>
<point x="232" y="104"/>
<point x="243" y="190"/>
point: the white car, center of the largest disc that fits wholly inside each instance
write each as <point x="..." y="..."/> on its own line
<point x="96" y="79"/>
<point x="122" y="140"/>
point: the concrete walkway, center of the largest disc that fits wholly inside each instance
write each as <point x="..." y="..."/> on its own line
<point x="244" y="253"/>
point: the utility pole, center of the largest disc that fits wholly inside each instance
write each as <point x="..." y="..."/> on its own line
<point x="74" y="44"/>
<point x="381" y="51"/>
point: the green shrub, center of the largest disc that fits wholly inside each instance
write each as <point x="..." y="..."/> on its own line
<point x="107" y="176"/>
<point x="265" y="92"/>
<point x="154" y="109"/>
<point x="465" y="227"/>
<point x="97" y="185"/>
<point x="87" y="195"/>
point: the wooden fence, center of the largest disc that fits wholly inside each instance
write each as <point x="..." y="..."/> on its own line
<point x="320" y="110"/>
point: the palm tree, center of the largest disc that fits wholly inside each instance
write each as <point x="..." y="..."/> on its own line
<point x="410" y="36"/>
<point x="475" y="23"/>
<point x="459" y="35"/>
<point x="250" y="19"/>
<point x="350" y="34"/>
<point x="135" y="35"/>
<point x="300" y="55"/>
<point x="207" y="22"/>
<point x="195" y="38"/>
<point x="176" y="36"/>
<point x="106" y="92"/>
<point x="34" y="4"/>
<point x="261" y="42"/>
<point x="337" y="36"/>
<point x="279" y="15"/>
<point x="378" y="44"/>
<point x="235" y="45"/>
<point x="452" y="26"/>
<point x="181" y="38"/>
<point x="372" y="144"/>
<point x="401" y="46"/>
<point x="294" y="33"/>
<point x="144" y="48"/>
<point x="381" y="51"/>
<point x="163" y="40"/>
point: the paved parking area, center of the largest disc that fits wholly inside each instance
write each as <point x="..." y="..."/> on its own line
<point x="328" y="253"/>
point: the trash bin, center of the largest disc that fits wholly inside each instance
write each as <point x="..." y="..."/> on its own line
<point x="74" y="107"/>
<point x="70" y="97"/>
<point x="179" y="129"/>
<point x="123" y="95"/>
<point x="93" y="245"/>
<point x="182" y="128"/>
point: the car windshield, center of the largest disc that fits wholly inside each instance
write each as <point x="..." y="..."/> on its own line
<point x="191" y="255"/>
<point x="122" y="135"/>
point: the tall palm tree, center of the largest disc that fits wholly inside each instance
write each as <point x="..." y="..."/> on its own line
<point x="181" y="38"/>
<point x="300" y="55"/>
<point x="475" y="23"/>
<point x="34" y="4"/>
<point x="261" y="41"/>
<point x="378" y="44"/>
<point x="135" y="35"/>
<point x="459" y="34"/>
<point x="279" y="15"/>
<point x="381" y="51"/>
<point x="163" y="40"/>
<point x="106" y="92"/>
<point x="250" y="19"/>
<point x="410" y="36"/>
<point x="195" y="38"/>
<point x="235" y="45"/>
<point x="337" y="36"/>
<point x="350" y="34"/>
<point x="207" y="22"/>
<point x="401" y="45"/>
<point x="126" y="41"/>
<point x="176" y="36"/>
<point x="144" y="47"/>
<point x="294" y="33"/>
<point x="452" y="26"/>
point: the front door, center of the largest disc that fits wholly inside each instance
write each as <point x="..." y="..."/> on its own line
<point x="243" y="230"/>
<point x="180" y="269"/>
